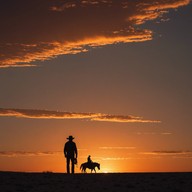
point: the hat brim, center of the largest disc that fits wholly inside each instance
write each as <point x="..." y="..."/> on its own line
<point x="70" y="138"/>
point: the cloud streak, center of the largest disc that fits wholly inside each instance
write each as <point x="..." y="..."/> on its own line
<point x="27" y="153"/>
<point x="154" y="133"/>
<point x="41" y="30"/>
<point x="45" y="114"/>
<point x="31" y="153"/>
<point x="170" y="153"/>
<point x="141" y="155"/>
<point x="117" y="148"/>
<point x="152" y="155"/>
<point x="116" y="158"/>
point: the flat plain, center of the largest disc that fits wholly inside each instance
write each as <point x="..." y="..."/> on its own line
<point x="96" y="182"/>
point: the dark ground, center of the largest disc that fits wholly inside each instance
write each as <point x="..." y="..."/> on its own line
<point x="110" y="182"/>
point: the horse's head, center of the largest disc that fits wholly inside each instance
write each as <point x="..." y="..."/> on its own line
<point x="98" y="166"/>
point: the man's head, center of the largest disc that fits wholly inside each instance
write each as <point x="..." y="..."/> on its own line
<point x="70" y="138"/>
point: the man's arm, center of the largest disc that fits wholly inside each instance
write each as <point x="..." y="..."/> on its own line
<point x="65" y="151"/>
<point x="76" y="153"/>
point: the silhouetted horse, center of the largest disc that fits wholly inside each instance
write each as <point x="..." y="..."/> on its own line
<point x="91" y="166"/>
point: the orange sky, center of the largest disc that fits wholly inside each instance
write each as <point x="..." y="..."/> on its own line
<point x="143" y="148"/>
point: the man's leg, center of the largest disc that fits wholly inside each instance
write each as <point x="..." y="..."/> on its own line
<point x="68" y="161"/>
<point x="72" y="165"/>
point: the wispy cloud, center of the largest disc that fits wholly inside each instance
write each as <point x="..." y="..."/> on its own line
<point x="116" y="148"/>
<point x="170" y="153"/>
<point x="32" y="153"/>
<point x="41" y="30"/>
<point x="45" y="114"/>
<point x="116" y="158"/>
<point x="27" y="153"/>
<point x="151" y="155"/>
<point x="123" y="118"/>
<point x="140" y="155"/>
<point x="154" y="133"/>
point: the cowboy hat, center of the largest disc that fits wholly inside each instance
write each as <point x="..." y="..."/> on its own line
<point x="70" y="137"/>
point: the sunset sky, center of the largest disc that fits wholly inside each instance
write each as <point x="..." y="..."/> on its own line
<point x="115" y="74"/>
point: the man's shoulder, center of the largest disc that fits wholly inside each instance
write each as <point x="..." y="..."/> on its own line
<point x="73" y="143"/>
<point x="67" y="143"/>
<point x="70" y="143"/>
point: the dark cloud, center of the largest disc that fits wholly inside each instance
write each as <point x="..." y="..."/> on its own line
<point x="43" y="29"/>
<point x="45" y="114"/>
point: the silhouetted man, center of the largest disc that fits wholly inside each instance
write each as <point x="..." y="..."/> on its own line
<point x="70" y="152"/>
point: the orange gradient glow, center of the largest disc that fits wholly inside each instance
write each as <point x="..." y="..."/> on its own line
<point x="111" y="159"/>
